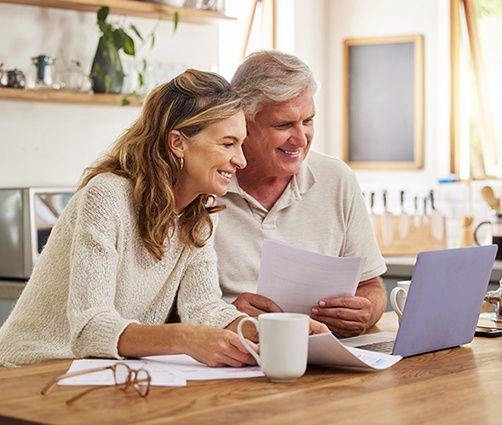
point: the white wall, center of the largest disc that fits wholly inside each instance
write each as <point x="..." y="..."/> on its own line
<point x="375" y="18"/>
<point x="320" y="27"/>
<point x="49" y="144"/>
<point x="44" y="144"/>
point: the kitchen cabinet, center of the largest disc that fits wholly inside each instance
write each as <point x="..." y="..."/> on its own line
<point x="133" y="8"/>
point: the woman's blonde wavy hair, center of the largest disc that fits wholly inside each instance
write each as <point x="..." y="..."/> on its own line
<point x="188" y="103"/>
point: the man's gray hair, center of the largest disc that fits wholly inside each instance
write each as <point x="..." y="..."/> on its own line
<point x="271" y="76"/>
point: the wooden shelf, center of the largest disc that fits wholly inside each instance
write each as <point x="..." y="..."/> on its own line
<point x="56" y="96"/>
<point x="140" y="9"/>
<point x="136" y="8"/>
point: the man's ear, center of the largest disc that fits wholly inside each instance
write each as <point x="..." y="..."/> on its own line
<point x="176" y="143"/>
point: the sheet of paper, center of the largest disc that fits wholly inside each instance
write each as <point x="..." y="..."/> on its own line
<point x="296" y="279"/>
<point x="161" y="376"/>
<point x="326" y="350"/>
<point x="191" y="370"/>
<point x="172" y="370"/>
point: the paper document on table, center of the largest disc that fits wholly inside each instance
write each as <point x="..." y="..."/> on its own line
<point x="173" y="370"/>
<point x="161" y="376"/>
<point x="296" y="279"/>
<point x="326" y="350"/>
<point x="192" y="370"/>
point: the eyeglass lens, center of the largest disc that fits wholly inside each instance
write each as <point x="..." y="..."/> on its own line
<point x="122" y="373"/>
<point x="142" y="383"/>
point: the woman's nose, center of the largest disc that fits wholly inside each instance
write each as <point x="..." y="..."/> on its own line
<point x="239" y="159"/>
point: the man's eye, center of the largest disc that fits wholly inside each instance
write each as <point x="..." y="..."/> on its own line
<point x="228" y="145"/>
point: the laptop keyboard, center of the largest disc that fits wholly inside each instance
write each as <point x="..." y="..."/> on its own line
<point x="379" y="347"/>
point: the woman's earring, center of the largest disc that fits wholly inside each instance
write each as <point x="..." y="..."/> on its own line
<point x="181" y="164"/>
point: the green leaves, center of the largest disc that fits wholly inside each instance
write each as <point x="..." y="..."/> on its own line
<point x="116" y="35"/>
<point x="128" y="45"/>
<point x="103" y="14"/>
<point x="136" y="31"/>
<point x="116" y="38"/>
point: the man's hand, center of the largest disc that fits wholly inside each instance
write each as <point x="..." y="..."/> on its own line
<point x="345" y="316"/>
<point x="352" y="316"/>
<point x="254" y="304"/>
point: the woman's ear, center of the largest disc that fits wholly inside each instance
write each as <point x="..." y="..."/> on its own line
<point x="176" y="143"/>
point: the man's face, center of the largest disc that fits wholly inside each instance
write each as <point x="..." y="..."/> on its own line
<point x="280" y="136"/>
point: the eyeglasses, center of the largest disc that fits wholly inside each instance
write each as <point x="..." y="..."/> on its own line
<point x="124" y="378"/>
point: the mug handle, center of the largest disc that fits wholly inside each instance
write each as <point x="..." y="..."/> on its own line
<point x="393" y="300"/>
<point x="483" y="223"/>
<point x="243" y="340"/>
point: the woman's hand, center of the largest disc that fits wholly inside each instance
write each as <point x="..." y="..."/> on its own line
<point x="212" y="346"/>
<point x="316" y="327"/>
<point x="218" y="347"/>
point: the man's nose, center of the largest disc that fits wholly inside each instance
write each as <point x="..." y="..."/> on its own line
<point x="300" y="136"/>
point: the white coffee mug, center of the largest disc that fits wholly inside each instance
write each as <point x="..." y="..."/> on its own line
<point x="398" y="296"/>
<point x="284" y="339"/>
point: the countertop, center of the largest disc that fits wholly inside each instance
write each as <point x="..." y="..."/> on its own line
<point x="402" y="266"/>
<point x="10" y="289"/>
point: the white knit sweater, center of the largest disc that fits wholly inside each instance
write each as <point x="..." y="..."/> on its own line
<point x="95" y="277"/>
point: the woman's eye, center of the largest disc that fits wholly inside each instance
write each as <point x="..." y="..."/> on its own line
<point x="228" y="145"/>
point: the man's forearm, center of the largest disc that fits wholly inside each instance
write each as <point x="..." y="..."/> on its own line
<point x="374" y="291"/>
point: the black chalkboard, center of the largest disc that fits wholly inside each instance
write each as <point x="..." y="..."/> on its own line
<point x="384" y="102"/>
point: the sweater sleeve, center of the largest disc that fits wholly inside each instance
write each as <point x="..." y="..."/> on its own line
<point x="199" y="296"/>
<point x="95" y="324"/>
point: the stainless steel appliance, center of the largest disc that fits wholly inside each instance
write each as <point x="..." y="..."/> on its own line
<point x="27" y="216"/>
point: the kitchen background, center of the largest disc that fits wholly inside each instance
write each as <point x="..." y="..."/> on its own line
<point x="49" y="144"/>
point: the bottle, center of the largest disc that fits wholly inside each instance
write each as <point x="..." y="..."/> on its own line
<point x="45" y="72"/>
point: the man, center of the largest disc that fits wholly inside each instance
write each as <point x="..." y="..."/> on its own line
<point x="313" y="202"/>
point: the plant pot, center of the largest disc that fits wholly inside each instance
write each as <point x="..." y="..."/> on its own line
<point x="107" y="73"/>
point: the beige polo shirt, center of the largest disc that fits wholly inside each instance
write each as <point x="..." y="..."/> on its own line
<point x="321" y="210"/>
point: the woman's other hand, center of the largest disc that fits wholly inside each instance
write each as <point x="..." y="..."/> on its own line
<point x="218" y="347"/>
<point x="316" y="327"/>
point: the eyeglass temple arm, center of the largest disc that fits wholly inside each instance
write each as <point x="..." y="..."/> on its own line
<point x="52" y="383"/>
<point x="122" y="386"/>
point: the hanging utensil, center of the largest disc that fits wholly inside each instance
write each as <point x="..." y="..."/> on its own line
<point x="404" y="220"/>
<point x="467" y="220"/>
<point x="425" y="216"/>
<point x="490" y="199"/>
<point x="387" y="223"/>
<point x="416" y="217"/>
<point x="373" y="218"/>
<point x="437" y="222"/>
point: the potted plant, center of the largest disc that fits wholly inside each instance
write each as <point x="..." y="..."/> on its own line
<point x="107" y="73"/>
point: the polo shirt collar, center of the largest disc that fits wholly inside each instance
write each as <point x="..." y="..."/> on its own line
<point x="299" y="184"/>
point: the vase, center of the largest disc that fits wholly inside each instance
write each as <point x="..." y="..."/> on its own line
<point x="107" y="73"/>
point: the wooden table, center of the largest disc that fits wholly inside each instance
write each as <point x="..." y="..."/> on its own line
<point x="457" y="386"/>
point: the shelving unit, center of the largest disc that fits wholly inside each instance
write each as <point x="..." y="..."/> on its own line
<point x="140" y="9"/>
<point x="134" y="8"/>
<point x="56" y="96"/>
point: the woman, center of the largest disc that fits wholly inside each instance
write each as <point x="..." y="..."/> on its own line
<point x="136" y="237"/>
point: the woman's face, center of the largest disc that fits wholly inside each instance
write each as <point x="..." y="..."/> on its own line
<point x="211" y="158"/>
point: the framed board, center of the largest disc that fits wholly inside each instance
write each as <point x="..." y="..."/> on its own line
<point x="384" y="102"/>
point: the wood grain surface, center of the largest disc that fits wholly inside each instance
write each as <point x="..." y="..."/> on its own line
<point x="455" y="386"/>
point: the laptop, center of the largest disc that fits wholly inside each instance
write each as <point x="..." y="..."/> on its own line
<point x="443" y="303"/>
